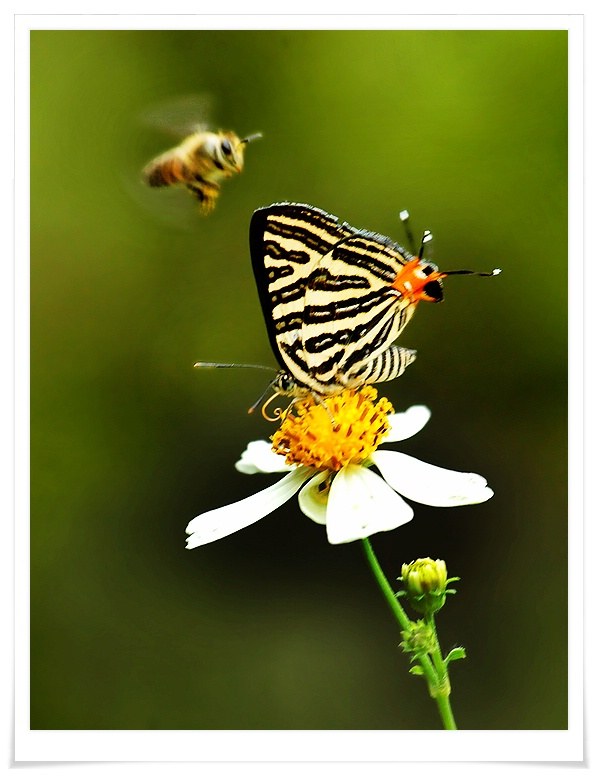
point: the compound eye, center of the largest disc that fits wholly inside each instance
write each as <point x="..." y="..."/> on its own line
<point x="286" y="383"/>
<point x="434" y="291"/>
<point x="226" y="147"/>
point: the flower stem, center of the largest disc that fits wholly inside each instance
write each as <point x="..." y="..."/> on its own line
<point x="387" y="591"/>
<point x="444" y="685"/>
<point x="446" y="713"/>
<point x="434" y="668"/>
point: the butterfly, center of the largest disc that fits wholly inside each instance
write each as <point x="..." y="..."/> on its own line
<point x="335" y="298"/>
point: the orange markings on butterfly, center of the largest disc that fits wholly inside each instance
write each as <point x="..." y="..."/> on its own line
<point x="411" y="281"/>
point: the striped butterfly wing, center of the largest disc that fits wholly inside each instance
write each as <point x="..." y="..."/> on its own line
<point x="352" y="313"/>
<point x="325" y="290"/>
<point x="287" y="242"/>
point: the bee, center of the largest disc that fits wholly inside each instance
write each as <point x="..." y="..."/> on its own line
<point x="200" y="163"/>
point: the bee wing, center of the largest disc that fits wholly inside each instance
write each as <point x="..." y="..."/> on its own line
<point x="180" y="116"/>
<point x="176" y="118"/>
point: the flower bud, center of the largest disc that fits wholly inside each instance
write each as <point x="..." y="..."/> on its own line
<point x="425" y="584"/>
<point x="419" y="639"/>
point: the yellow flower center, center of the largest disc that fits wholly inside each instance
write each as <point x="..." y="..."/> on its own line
<point x="332" y="433"/>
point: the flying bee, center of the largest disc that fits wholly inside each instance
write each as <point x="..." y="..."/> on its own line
<point x="200" y="163"/>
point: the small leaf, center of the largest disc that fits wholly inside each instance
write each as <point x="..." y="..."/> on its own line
<point x="417" y="670"/>
<point x="455" y="655"/>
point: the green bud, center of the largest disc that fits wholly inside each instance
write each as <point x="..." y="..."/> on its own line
<point x="418" y="639"/>
<point x="425" y="583"/>
<point x="424" y="576"/>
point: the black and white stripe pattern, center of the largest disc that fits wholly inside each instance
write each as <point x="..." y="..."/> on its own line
<point x="325" y="289"/>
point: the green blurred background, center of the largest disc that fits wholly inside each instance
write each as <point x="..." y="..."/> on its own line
<point x="273" y="628"/>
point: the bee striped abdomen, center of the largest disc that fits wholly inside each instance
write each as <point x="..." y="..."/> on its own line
<point x="166" y="171"/>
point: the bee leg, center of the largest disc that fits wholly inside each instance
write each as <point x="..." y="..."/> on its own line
<point x="206" y="194"/>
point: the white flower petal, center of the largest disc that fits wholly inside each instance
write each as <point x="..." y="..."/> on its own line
<point x="361" y="504"/>
<point x="406" y="424"/>
<point x="258" y="458"/>
<point x="221" y="522"/>
<point x="429" y="484"/>
<point x="311" y="501"/>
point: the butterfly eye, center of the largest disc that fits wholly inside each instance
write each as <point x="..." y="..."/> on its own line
<point x="226" y="147"/>
<point x="286" y="383"/>
<point x="433" y="290"/>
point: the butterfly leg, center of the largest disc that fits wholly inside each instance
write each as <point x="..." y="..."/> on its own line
<point x="321" y="401"/>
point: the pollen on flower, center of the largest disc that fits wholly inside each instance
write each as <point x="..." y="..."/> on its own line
<point x="344" y="429"/>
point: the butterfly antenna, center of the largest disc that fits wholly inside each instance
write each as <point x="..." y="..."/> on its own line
<point x="404" y="217"/>
<point x="494" y="272"/>
<point x="203" y="364"/>
<point x="426" y="238"/>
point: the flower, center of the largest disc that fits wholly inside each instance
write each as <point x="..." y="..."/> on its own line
<point x="328" y="450"/>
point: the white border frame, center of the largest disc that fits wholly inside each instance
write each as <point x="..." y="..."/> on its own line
<point x="291" y="746"/>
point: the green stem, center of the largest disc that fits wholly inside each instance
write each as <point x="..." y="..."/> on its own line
<point x="444" y="688"/>
<point x="446" y="713"/>
<point x="434" y="670"/>
<point x="387" y="591"/>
